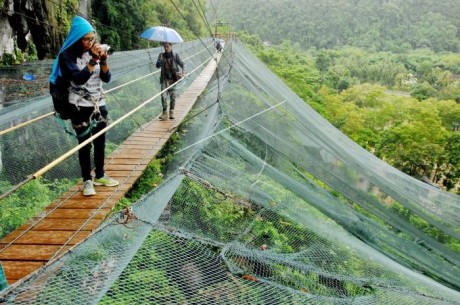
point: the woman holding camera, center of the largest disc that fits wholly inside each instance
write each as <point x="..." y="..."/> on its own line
<point x="82" y="62"/>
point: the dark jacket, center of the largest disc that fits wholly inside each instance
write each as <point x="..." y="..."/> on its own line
<point x="176" y="63"/>
<point x="70" y="70"/>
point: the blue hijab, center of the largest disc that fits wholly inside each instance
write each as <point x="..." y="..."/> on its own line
<point x="79" y="28"/>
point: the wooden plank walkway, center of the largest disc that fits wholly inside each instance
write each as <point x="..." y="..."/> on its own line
<point x="72" y="217"/>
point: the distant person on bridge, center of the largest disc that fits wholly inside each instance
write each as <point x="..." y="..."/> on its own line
<point x="83" y="63"/>
<point x="218" y="45"/>
<point x="169" y="62"/>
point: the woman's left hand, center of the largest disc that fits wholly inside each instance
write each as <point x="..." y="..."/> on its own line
<point x="96" y="52"/>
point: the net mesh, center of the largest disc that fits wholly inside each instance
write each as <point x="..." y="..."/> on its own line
<point x="265" y="203"/>
<point x="28" y="149"/>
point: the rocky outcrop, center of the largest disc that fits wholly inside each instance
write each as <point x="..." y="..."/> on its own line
<point x="45" y="22"/>
<point x="6" y="32"/>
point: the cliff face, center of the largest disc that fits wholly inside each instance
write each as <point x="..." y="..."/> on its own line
<point x="6" y="32"/>
<point x="44" y="22"/>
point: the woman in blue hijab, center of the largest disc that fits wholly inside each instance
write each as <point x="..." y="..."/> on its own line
<point x="81" y="66"/>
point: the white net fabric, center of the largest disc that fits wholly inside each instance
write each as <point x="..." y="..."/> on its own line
<point x="266" y="203"/>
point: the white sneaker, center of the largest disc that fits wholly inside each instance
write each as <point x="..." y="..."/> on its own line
<point x="106" y="181"/>
<point x="88" y="188"/>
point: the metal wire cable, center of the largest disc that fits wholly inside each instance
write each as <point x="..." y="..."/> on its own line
<point x="190" y="27"/>
<point x="76" y="148"/>
<point x="225" y="129"/>
<point x="77" y="13"/>
<point x="70" y="152"/>
<point x="33" y="120"/>
<point x="202" y="15"/>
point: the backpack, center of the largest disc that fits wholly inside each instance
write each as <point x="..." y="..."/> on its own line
<point x="60" y="96"/>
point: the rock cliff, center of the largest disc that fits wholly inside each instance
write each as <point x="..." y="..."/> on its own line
<point x="42" y="22"/>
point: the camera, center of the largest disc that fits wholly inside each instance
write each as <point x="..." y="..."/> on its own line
<point x="106" y="48"/>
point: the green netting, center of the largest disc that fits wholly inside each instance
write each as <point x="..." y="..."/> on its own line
<point x="26" y="150"/>
<point x="265" y="203"/>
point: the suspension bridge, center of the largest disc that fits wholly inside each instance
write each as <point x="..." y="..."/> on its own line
<point x="271" y="205"/>
<point x="72" y="217"/>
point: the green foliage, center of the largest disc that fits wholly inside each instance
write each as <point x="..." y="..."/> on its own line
<point x="212" y="213"/>
<point x="31" y="51"/>
<point x="121" y="30"/>
<point x="151" y="177"/>
<point x="13" y="59"/>
<point x="8" y="59"/>
<point x="140" y="272"/>
<point x="450" y="162"/>
<point x="423" y="225"/>
<point x="423" y="91"/>
<point x="15" y="171"/>
<point x="30" y="199"/>
<point x="342" y="85"/>
<point x="371" y="24"/>
<point x="294" y="67"/>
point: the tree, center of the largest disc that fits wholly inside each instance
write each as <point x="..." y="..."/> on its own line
<point x="423" y="91"/>
<point x="122" y="30"/>
<point x="451" y="164"/>
<point x="416" y="142"/>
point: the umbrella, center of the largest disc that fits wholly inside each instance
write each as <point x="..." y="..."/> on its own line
<point x="162" y="34"/>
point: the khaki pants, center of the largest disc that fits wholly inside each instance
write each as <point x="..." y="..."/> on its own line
<point x="164" y="96"/>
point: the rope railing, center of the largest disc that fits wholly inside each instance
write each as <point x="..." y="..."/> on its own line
<point x="24" y="124"/>
<point x="57" y="161"/>
<point x="42" y="171"/>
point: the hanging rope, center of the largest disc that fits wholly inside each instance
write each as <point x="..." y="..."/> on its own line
<point x="225" y="129"/>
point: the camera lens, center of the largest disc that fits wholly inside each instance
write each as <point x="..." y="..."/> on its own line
<point x="107" y="49"/>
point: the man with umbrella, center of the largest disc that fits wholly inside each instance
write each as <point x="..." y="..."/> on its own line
<point x="169" y="62"/>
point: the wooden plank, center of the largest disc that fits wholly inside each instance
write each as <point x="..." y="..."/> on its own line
<point x="99" y="197"/>
<point x="77" y="204"/>
<point x="46" y="237"/>
<point x="49" y="224"/>
<point x="41" y="253"/>
<point x="77" y="213"/>
<point x="155" y="131"/>
<point x="150" y="154"/>
<point x="139" y="149"/>
<point x="144" y="140"/>
<point x="123" y="167"/>
<point x="136" y="152"/>
<point x="128" y="156"/>
<point x="74" y="216"/>
<point x="122" y="161"/>
<point x="151" y="142"/>
<point x="137" y="146"/>
<point x="18" y="269"/>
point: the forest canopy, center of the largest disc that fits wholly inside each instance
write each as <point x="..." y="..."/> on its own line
<point x="377" y="25"/>
<point x="401" y="107"/>
<point x="122" y="30"/>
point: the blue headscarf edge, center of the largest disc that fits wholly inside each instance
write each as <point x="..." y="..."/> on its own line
<point x="79" y="28"/>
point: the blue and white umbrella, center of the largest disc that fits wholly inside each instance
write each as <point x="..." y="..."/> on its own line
<point x="162" y="34"/>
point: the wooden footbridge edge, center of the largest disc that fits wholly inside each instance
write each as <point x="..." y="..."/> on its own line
<point x="72" y="218"/>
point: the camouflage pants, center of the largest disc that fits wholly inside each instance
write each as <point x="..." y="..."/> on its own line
<point x="171" y="92"/>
